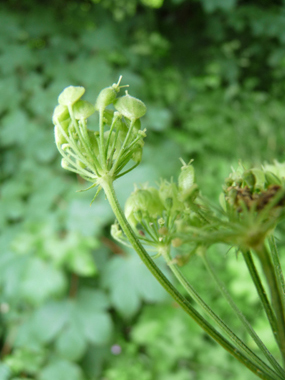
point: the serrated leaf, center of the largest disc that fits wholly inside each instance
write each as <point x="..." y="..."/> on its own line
<point x="130" y="282"/>
<point x="95" y="323"/>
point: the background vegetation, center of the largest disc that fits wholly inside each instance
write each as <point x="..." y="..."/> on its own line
<point x="212" y="74"/>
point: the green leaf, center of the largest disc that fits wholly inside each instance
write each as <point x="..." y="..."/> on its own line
<point x="61" y="370"/>
<point x="25" y="360"/>
<point x="92" y="301"/>
<point x="152" y="3"/>
<point x="88" y="220"/>
<point x="49" y="320"/>
<point x="96" y="324"/>
<point x="97" y="328"/>
<point x="41" y="280"/>
<point x="71" y="343"/>
<point x="129" y="283"/>
<point x="82" y="263"/>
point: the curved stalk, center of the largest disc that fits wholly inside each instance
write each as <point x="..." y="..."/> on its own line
<point x="107" y="185"/>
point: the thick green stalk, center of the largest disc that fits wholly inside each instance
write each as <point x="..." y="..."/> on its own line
<point x="107" y="185"/>
<point x="241" y="317"/>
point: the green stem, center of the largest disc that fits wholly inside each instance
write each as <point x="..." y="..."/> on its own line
<point x="107" y="185"/>
<point x="277" y="299"/>
<point x="277" y="266"/>
<point x="240" y="315"/>
<point x="261" y="293"/>
<point x="224" y="328"/>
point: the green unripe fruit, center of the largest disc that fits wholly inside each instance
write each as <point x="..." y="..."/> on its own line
<point x="168" y="193"/>
<point x="137" y="155"/>
<point x="144" y="201"/>
<point x="186" y="181"/>
<point x="60" y="113"/>
<point x="59" y="137"/>
<point x="106" y="96"/>
<point x="83" y="109"/>
<point x="130" y="107"/>
<point x="70" y="95"/>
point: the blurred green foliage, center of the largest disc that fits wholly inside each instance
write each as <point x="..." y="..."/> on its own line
<point x="211" y="73"/>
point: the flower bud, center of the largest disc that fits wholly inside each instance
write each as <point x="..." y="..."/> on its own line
<point x="70" y="95"/>
<point x="130" y="107"/>
<point x="83" y="109"/>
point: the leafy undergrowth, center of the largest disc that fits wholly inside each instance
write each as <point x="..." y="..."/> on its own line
<point x="69" y="302"/>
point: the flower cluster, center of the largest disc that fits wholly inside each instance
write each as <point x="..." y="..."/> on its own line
<point x="158" y="214"/>
<point x="255" y="189"/>
<point x="177" y="215"/>
<point x="105" y="151"/>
